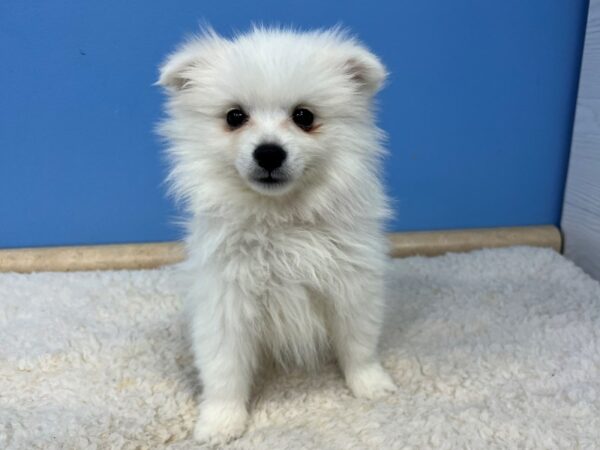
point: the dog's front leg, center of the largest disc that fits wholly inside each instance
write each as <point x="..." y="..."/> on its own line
<point x="226" y="356"/>
<point x="355" y="327"/>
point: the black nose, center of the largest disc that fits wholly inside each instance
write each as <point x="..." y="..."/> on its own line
<point x="269" y="156"/>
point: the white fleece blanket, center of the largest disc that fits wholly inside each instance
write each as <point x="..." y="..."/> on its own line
<point x="492" y="349"/>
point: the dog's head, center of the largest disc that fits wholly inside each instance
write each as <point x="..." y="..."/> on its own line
<point x="269" y="110"/>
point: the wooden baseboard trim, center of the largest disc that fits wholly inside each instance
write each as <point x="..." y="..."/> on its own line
<point x="433" y="243"/>
<point x="152" y="255"/>
<point x="91" y="257"/>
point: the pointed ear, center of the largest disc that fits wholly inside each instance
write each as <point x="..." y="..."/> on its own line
<point x="176" y="71"/>
<point x="364" y="68"/>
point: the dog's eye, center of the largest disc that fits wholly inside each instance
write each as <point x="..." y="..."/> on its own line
<point x="236" y="118"/>
<point x="303" y="118"/>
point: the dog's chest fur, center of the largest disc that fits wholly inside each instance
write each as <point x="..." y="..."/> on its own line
<point x="286" y="277"/>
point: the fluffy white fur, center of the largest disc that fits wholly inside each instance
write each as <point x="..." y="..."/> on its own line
<point x="283" y="272"/>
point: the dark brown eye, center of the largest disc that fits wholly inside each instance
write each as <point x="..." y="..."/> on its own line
<point x="236" y="118"/>
<point x="303" y="118"/>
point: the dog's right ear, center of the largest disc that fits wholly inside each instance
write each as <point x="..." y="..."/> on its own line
<point x="176" y="72"/>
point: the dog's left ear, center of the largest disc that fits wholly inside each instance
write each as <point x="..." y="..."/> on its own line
<point x="366" y="69"/>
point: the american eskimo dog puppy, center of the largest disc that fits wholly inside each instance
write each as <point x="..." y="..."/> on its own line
<point x="275" y="154"/>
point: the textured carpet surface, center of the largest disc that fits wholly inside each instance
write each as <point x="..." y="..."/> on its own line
<point x="492" y="349"/>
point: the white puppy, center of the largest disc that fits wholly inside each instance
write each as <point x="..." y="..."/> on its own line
<point x="275" y="154"/>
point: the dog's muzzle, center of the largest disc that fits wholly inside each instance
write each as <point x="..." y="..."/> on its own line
<point x="270" y="158"/>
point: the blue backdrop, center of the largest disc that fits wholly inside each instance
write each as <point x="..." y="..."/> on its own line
<point x="479" y="109"/>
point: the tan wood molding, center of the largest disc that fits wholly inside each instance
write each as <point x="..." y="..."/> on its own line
<point x="91" y="257"/>
<point x="432" y="243"/>
<point x="152" y="255"/>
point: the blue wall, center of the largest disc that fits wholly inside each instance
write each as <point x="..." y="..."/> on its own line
<point x="479" y="109"/>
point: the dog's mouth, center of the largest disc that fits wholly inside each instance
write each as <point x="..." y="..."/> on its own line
<point x="271" y="183"/>
<point x="271" y="180"/>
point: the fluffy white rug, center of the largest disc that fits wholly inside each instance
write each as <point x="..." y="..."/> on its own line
<point x="492" y="349"/>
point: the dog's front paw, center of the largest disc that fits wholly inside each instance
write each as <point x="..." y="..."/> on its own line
<point x="220" y="422"/>
<point x="370" y="381"/>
